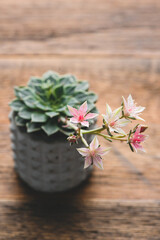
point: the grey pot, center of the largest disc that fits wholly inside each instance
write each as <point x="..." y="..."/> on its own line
<point x="47" y="164"/>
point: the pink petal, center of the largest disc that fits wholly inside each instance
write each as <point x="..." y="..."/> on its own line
<point x="83" y="151"/>
<point x="74" y="120"/>
<point x="73" y="111"/>
<point x="91" y="115"/>
<point x="137" y="146"/>
<point x="102" y="151"/>
<point x="116" y="113"/>
<point x="108" y="111"/>
<point x="130" y="100"/>
<point x="97" y="161"/>
<point x="94" y="144"/>
<point x="124" y="101"/>
<point x="85" y="123"/>
<point x="83" y="108"/>
<point x="88" y="162"/>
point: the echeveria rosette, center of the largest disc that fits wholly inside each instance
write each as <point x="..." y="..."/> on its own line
<point x="41" y="103"/>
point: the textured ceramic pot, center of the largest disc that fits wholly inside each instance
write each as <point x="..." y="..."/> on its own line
<point x="46" y="164"/>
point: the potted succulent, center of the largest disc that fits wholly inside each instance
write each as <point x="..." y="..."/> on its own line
<point x="52" y="108"/>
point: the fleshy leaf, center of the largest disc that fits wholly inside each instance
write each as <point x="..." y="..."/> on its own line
<point x="50" y="127"/>
<point x="30" y="102"/>
<point x="58" y="91"/>
<point x="19" y="121"/>
<point x="25" y="113"/>
<point x="52" y="114"/>
<point x="38" y="117"/>
<point x="33" y="127"/>
<point x="82" y="85"/>
<point x="16" y="105"/>
<point x="92" y="97"/>
<point x="67" y="79"/>
<point x="69" y="89"/>
<point x="53" y="76"/>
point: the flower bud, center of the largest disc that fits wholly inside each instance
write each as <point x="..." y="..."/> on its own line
<point x="143" y="128"/>
<point x="72" y="139"/>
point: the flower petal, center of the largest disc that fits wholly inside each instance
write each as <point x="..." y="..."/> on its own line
<point x="139" y="109"/>
<point x="125" y="102"/>
<point x="94" y="144"/>
<point x="83" y="108"/>
<point x="83" y="151"/>
<point x="108" y="111"/>
<point x="88" y="161"/>
<point x="74" y="120"/>
<point x="102" y="151"/>
<point x="91" y="115"/>
<point x="130" y="100"/>
<point x="122" y="122"/>
<point x="117" y="113"/>
<point x="97" y="161"/>
<point x="120" y="130"/>
<point x="73" y="111"/>
<point x="85" y="123"/>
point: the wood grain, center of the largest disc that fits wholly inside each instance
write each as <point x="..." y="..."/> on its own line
<point x="56" y="219"/>
<point x="49" y="27"/>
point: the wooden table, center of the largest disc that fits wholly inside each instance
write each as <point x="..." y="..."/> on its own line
<point x="115" y="44"/>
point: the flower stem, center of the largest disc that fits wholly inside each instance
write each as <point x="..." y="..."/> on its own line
<point x="93" y="131"/>
<point x="83" y="139"/>
<point x="112" y="137"/>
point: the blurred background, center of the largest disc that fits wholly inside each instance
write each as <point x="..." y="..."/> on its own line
<point x="115" y="45"/>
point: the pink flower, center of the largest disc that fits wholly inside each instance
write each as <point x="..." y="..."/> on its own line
<point x="113" y="121"/>
<point x="130" y="109"/>
<point x="93" y="154"/>
<point x="137" y="138"/>
<point x="81" y="115"/>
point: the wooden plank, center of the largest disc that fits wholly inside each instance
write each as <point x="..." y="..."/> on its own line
<point x="49" y="218"/>
<point x="110" y="78"/>
<point x="111" y="27"/>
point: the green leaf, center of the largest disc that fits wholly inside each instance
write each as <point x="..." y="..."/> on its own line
<point x="53" y="76"/>
<point x="82" y="86"/>
<point x="35" y="81"/>
<point x="42" y="106"/>
<point x="92" y="97"/>
<point x="25" y="113"/>
<point x="47" y="84"/>
<point x="67" y="79"/>
<point x="81" y="96"/>
<point x="17" y="90"/>
<point x="33" y="127"/>
<point x="91" y="106"/>
<point x="61" y="109"/>
<point x="58" y="91"/>
<point x="50" y="127"/>
<point x="72" y="102"/>
<point x="16" y="104"/>
<point x="38" y="117"/>
<point x="25" y="92"/>
<point x="30" y="102"/>
<point x="52" y="114"/>
<point x="19" y="121"/>
<point x="69" y="89"/>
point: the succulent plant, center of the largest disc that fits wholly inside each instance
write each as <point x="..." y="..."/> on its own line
<point x="39" y="105"/>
